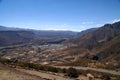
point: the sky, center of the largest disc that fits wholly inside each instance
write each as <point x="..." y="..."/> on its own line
<point x="75" y="15"/>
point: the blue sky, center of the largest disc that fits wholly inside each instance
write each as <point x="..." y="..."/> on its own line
<point x="75" y="15"/>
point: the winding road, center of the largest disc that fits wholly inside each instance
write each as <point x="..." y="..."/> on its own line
<point x="93" y="69"/>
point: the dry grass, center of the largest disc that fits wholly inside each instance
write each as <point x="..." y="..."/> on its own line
<point x="7" y="73"/>
<point x="10" y="74"/>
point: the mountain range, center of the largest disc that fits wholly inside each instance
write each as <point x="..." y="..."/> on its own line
<point x="100" y="44"/>
<point x="16" y="36"/>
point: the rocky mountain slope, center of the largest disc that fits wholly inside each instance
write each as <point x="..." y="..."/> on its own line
<point x="102" y="44"/>
<point x="99" y="36"/>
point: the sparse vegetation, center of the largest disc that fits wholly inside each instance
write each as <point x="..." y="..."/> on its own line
<point x="31" y="66"/>
<point x="7" y="73"/>
<point x="95" y="57"/>
<point x="106" y="77"/>
<point x="71" y="72"/>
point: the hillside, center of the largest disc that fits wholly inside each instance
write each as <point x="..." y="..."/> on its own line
<point x="86" y="31"/>
<point x="102" y="44"/>
<point x="8" y="38"/>
<point x="110" y="52"/>
<point x="99" y="36"/>
<point x="7" y="73"/>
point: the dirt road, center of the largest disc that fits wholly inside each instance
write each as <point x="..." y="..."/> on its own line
<point x="93" y="69"/>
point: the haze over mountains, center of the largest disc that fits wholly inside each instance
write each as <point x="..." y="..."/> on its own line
<point x="12" y="36"/>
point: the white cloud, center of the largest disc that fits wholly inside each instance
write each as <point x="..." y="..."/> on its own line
<point x="63" y="27"/>
<point x="115" y="20"/>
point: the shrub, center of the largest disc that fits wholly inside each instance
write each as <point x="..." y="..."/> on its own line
<point x="63" y="70"/>
<point x="95" y="58"/>
<point x="106" y="77"/>
<point x="71" y="72"/>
